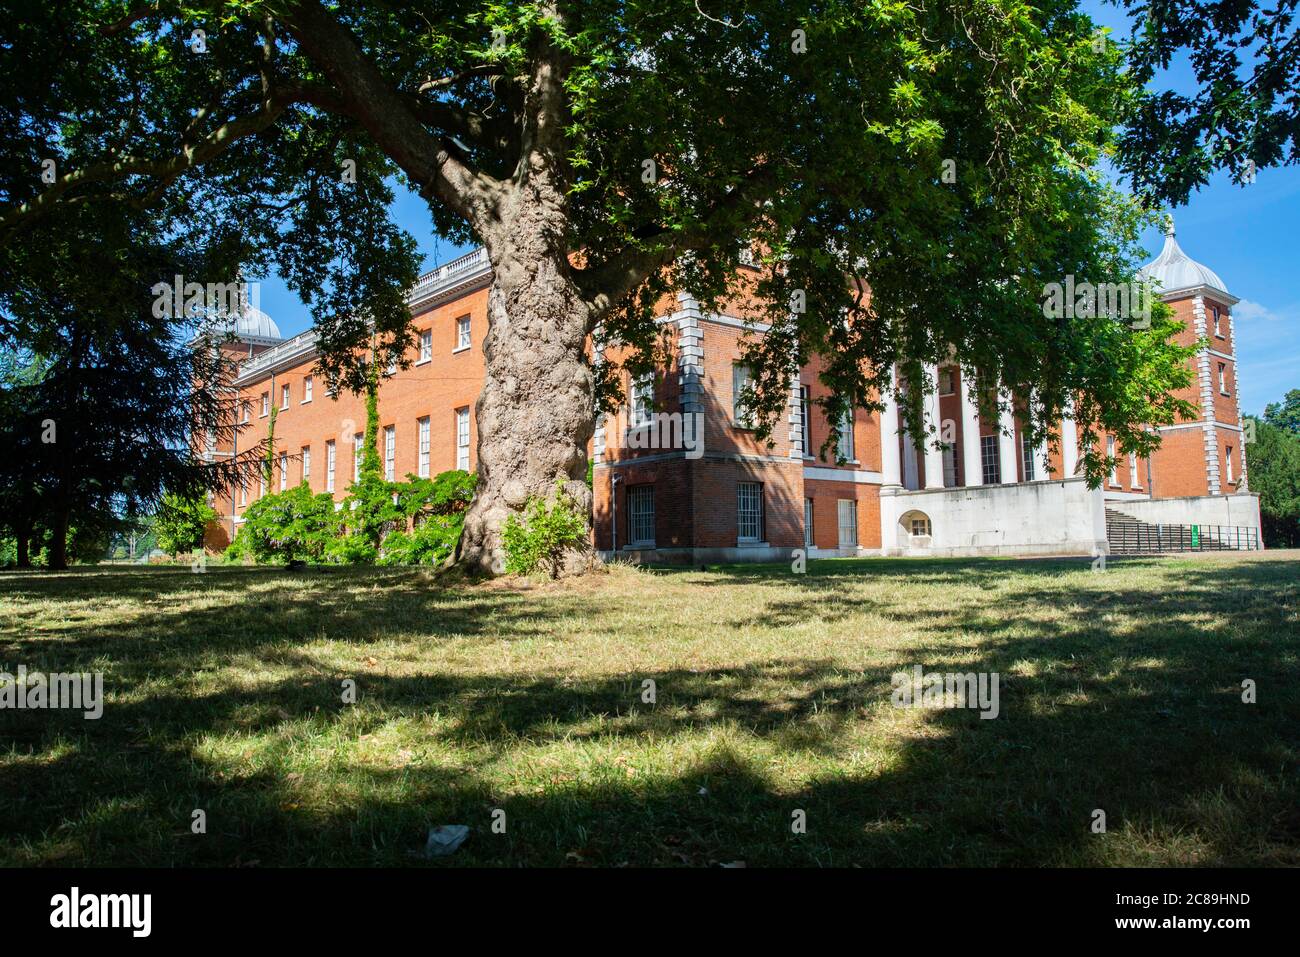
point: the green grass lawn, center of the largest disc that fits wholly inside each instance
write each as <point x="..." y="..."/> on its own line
<point x="1119" y="691"/>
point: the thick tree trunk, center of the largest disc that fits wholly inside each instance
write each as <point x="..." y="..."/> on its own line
<point x="536" y="413"/>
<point x="58" y="558"/>
<point x="24" y="557"/>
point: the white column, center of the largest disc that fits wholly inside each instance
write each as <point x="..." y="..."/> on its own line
<point x="1007" y="439"/>
<point x="972" y="464"/>
<point x="1069" y="443"/>
<point x="1040" y="456"/>
<point x="890" y="464"/>
<point x="933" y="454"/>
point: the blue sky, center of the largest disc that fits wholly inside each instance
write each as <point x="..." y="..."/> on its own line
<point x="1245" y="234"/>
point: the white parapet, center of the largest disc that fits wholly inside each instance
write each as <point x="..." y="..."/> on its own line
<point x="1057" y="517"/>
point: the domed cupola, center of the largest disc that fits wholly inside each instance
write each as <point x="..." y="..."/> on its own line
<point x="250" y="324"/>
<point x="1174" y="271"/>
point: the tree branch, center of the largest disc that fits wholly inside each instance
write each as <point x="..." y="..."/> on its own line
<point x="387" y="116"/>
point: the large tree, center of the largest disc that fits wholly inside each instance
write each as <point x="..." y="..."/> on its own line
<point x="1243" y="113"/>
<point x="605" y="153"/>
<point x="116" y="405"/>
<point x="1273" y="458"/>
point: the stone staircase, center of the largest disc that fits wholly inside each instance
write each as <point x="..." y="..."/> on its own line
<point x="1128" y="535"/>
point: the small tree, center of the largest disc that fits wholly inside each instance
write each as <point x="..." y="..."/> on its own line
<point x="181" y="521"/>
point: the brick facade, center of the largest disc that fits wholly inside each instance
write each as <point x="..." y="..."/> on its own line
<point x="704" y="499"/>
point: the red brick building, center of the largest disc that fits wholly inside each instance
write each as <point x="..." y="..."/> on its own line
<point x="679" y="475"/>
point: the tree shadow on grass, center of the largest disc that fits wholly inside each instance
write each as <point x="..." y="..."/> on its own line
<point x="1132" y="706"/>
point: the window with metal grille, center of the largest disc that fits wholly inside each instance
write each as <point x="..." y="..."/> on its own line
<point x="424" y="447"/>
<point x="390" y="453"/>
<point x="920" y="526"/>
<point x="749" y="511"/>
<point x="462" y="439"/>
<point x="989" y="464"/>
<point x="848" y="522"/>
<point x="808" y="522"/>
<point x="641" y="514"/>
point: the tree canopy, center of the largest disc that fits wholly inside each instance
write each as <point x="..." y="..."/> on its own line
<point x="911" y="177"/>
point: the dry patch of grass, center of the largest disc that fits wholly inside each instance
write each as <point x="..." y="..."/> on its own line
<point x="1119" y="691"/>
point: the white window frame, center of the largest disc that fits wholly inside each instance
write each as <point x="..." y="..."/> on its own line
<point x="846" y="522"/>
<point x="423" y="426"/>
<point x="243" y="493"/>
<point x="808" y="513"/>
<point x="1110" y="454"/>
<point x="266" y="404"/>
<point x="390" y="453"/>
<point x="462" y="439"/>
<point x="426" y="345"/>
<point x="331" y="462"/>
<point x="749" y="512"/>
<point x="805" y="410"/>
<point x="741" y="377"/>
<point x="641" y="394"/>
<point x="284" y="471"/>
<point x="358" y="441"/>
<point x="306" y="463"/>
<point x="1227" y="460"/>
<point x="1026" y="457"/>
<point x="306" y="390"/>
<point x="641" y="515"/>
<point x="990" y="460"/>
<point x="464" y="334"/>
<point x="284" y="397"/>
<point x="847" y="451"/>
<point x="1223" y="378"/>
<point x="1133" y="481"/>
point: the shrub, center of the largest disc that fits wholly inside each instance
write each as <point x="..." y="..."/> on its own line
<point x="287" y="526"/>
<point x="545" y="534"/>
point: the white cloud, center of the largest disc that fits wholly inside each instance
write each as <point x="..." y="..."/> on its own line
<point x="1249" y="311"/>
